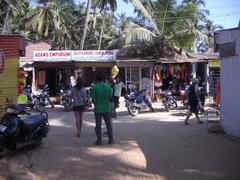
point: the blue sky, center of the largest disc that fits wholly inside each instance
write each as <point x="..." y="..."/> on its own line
<point x="224" y="12"/>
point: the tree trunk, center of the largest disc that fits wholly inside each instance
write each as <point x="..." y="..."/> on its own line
<point x="85" y="25"/>
<point x="6" y="20"/>
<point x="164" y="18"/>
<point x="103" y="24"/>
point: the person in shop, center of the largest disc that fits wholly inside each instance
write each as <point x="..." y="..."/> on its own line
<point x="79" y="103"/>
<point x="193" y="101"/>
<point x="101" y="95"/>
<point x="72" y="81"/>
<point x="166" y="82"/>
<point x="217" y="93"/>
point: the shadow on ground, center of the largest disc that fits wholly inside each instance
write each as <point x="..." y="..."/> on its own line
<point x="148" y="146"/>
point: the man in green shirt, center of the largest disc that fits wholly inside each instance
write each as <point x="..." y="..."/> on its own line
<point x="101" y="95"/>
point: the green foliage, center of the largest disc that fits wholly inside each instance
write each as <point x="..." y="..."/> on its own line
<point x="184" y="26"/>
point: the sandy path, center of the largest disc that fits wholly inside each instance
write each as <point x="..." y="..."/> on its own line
<point x="148" y="146"/>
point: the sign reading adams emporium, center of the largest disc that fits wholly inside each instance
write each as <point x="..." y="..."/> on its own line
<point x="84" y="55"/>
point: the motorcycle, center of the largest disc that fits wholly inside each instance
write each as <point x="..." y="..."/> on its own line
<point x="66" y="99"/>
<point x="168" y="100"/>
<point x="17" y="132"/>
<point x="184" y="96"/>
<point x="88" y="98"/>
<point x="137" y="102"/>
<point x="202" y="98"/>
<point x="42" y="99"/>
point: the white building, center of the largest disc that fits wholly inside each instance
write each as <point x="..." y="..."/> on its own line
<point x="227" y="42"/>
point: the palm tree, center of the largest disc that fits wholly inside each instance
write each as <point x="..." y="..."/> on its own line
<point x="208" y="29"/>
<point x="45" y="20"/>
<point x="164" y="10"/>
<point x="137" y="4"/>
<point x="11" y="8"/>
<point x="103" y="5"/>
<point x="197" y="2"/>
<point x="85" y="24"/>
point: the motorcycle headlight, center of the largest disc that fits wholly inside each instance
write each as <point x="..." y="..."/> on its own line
<point x="10" y="110"/>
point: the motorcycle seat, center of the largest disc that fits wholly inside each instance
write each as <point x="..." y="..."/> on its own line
<point x="33" y="121"/>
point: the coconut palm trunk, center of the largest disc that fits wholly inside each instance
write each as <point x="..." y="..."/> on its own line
<point x="101" y="34"/>
<point x="85" y="24"/>
<point x="6" y="20"/>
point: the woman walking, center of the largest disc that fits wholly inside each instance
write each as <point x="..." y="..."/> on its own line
<point x="79" y="103"/>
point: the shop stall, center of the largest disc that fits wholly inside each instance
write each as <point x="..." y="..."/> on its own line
<point x="11" y="47"/>
<point x="55" y="67"/>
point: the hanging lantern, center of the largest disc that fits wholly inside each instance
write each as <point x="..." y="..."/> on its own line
<point x="115" y="71"/>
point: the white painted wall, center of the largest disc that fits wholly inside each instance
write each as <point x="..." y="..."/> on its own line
<point x="230" y="85"/>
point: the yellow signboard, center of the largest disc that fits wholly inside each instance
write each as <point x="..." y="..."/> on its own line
<point x="214" y="64"/>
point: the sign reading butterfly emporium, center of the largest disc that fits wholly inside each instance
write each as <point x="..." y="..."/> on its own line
<point x="79" y="55"/>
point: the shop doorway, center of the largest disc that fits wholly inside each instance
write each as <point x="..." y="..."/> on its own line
<point x="51" y="81"/>
<point x="90" y="74"/>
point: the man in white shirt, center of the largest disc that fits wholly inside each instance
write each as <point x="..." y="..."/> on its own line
<point x="117" y="92"/>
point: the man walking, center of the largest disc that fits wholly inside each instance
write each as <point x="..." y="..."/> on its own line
<point x="193" y="101"/>
<point x="101" y="95"/>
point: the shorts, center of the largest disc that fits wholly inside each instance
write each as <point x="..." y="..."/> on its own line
<point x="78" y="108"/>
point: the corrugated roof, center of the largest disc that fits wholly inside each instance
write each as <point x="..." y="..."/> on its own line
<point x="11" y="45"/>
<point x="209" y="55"/>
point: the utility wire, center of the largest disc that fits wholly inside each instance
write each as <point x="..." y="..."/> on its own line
<point x="170" y="19"/>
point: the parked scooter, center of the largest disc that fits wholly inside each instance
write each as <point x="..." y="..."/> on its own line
<point x="168" y="100"/>
<point x="137" y="102"/>
<point x="42" y="99"/>
<point x="66" y="99"/>
<point x="184" y="96"/>
<point x="202" y="98"/>
<point x="17" y="132"/>
<point x="88" y="97"/>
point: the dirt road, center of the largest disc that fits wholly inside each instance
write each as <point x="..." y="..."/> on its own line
<point x="148" y="146"/>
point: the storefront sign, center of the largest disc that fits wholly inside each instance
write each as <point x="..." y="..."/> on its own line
<point x="84" y="55"/>
<point x="52" y="55"/>
<point x="93" y="55"/>
<point x="2" y="61"/>
<point x="214" y="64"/>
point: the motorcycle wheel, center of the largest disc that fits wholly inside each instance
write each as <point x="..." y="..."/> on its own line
<point x="151" y="108"/>
<point x="67" y="107"/>
<point x="52" y="105"/>
<point x="173" y="103"/>
<point x="132" y="110"/>
<point x="39" y="107"/>
<point x="166" y="106"/>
